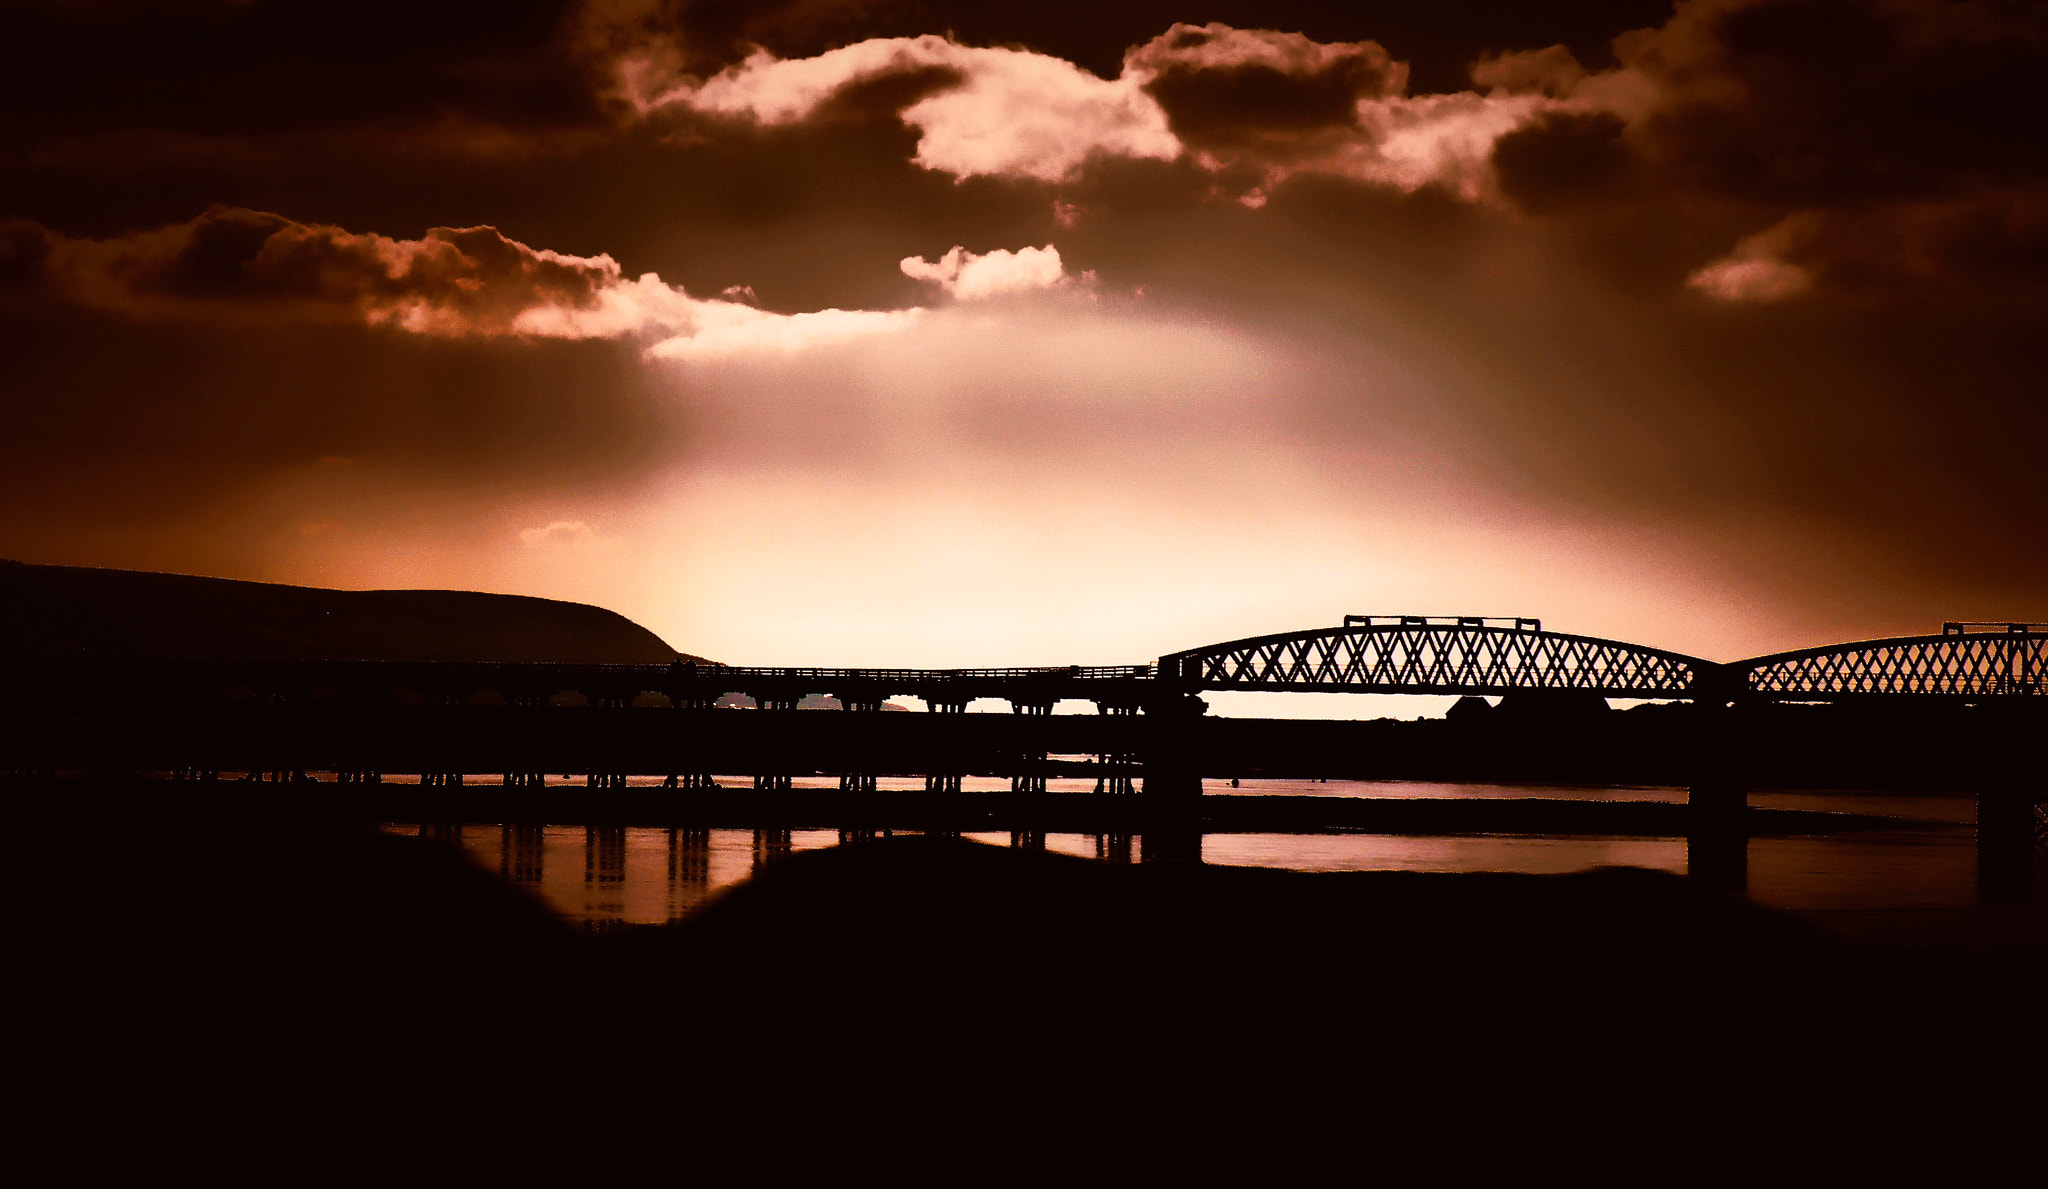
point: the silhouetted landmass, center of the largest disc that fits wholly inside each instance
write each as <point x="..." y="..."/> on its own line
<point x="69" y="611"/>
<point x="299" y="976"/>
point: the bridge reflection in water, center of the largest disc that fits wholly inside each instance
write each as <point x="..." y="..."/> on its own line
<point x="603" y="877"/>
<point x="1922" y="862"/>
<point x="281" y="722"/>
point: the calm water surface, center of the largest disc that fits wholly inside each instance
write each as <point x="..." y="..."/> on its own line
<point x="602" y="878"/>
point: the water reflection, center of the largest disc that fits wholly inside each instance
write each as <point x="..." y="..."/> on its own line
<point x="769" y="845"/>
<point x="604" y="854"/>
<point x="607" y="876"/>
<point x="689" y="855"/>
<point x="603" y="877"/>
<point x="520" y="860"/>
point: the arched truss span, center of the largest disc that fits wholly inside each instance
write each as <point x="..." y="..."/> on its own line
<point x="1954" y="664"/>
<point x="1449" y="657"/>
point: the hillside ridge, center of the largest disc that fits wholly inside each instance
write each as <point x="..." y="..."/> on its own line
<point x="74" y="611"/>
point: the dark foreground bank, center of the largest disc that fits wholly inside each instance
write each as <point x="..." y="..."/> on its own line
<point x="924" y="985"/>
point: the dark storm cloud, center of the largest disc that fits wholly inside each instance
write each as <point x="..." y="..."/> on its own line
<point x="1439" y="41"/>
<point x="1871" y="149"/>
<point x="260" y="265"/>
<point x="265" y="67"/>
<point x="1234" y="90"/>
<point x="1561" y="157"/>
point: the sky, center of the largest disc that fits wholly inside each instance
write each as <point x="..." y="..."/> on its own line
<point x="923" y="334"/>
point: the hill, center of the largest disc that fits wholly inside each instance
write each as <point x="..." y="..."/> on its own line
<point x="70" y="611"/>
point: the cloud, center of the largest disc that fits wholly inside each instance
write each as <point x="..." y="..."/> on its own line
<point x="1757" y="270"/>
<point x="558" y="532"/>
<point x="969" y="276"/>
<point x="1562" y="158"/>
<point x="1255" y="103"/>
<point x="1760" y="279"/>
<point x="1271" y="105"/>
<point x="1226" y="90"/>
<point x="1894" y="132"/>
<point x="1551" y="70"/>
<point x="1869" y="148"/>
<point x="988" y="111"/>
<point x="236" y="264"/>
<point x="1993" y="242"/>
<point x="743" y="330"/>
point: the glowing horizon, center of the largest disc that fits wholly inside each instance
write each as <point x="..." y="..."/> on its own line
<point x="816" y="338"/>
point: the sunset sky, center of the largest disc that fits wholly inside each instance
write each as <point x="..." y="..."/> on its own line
<point x="933" y="334"/>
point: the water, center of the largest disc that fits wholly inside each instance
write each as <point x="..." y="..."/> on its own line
<point x="1915" y="877"/>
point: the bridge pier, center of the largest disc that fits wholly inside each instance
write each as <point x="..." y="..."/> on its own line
<point x="441" y="762"/>
<point x="195" y="734"/>
<point x="360" y="742"/>
<point x="606" y="741"/>
<point x="525" y="721"/>
<point x="1717" y="803"/>
<point x="285" y="731"/>
<point x="1716" y="844"/>
<point x="1173" y="746"/>
<point x="116" y="732"/>
<point x="1173" y="774"/>
<point x="2011" y="784"/>
<point x="1117" y="773"/>
<point x="942" y="782"/>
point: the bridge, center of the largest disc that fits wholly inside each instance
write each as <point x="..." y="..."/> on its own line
<point x="362" y="718"/>
<point x="1415" y="654"/>
<point x="1394" y="654"/>
<point x="281" y="720"/>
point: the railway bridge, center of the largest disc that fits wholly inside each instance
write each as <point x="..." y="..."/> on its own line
<point x="284" y="721"/>
<point x="361" y="719"/>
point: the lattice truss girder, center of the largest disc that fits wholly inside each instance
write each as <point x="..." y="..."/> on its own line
<point x="1971" y="665"/>
<point x="1444" y="659"/>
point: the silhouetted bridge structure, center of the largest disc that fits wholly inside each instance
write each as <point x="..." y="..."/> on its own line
<point x="446" y="722"/>
<point x="168" y="715"/>
<point x="1471" y="655"/>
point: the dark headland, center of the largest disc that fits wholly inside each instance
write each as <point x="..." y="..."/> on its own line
<point x="73" y="611"/>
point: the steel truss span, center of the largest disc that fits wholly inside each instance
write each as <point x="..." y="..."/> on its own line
<point x="1421" y="657"/>
<point x="1955" y="664"/>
